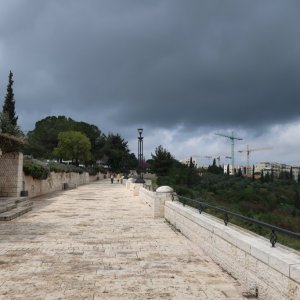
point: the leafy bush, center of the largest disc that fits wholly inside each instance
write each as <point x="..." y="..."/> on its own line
<point x="36" y="169"/>
<point x="94" y="170"/>
<point x="41" y="170"/>
<point x="58" y="167"/>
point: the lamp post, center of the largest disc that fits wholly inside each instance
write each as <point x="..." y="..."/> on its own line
<point x="140" y="178"/>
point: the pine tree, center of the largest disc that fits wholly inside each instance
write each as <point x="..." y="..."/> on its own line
<point x="9" y="102"/>
<point x="262" y="177"/>
<point x="191" y="165"/>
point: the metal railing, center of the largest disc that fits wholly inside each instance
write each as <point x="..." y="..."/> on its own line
<point x="201" y="206"/>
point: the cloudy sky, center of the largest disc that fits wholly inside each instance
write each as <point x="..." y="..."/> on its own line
<point x="182" y="70"/>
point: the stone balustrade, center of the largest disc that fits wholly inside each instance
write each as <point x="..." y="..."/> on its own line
<point x="266" y="272"/>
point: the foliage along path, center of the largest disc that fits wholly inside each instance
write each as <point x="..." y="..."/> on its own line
<point x="100" y="242"/>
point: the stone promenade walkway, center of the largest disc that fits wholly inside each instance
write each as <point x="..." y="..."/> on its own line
<point x="100" y="242"/>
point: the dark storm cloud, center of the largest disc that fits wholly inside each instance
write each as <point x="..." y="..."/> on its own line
<point x="168" y="62"/>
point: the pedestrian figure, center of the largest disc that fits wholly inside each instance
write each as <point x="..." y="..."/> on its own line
<point x="112" y="178"/>
<point x="118" y="178"/>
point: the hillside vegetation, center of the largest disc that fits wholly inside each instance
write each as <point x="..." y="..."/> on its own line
<point x="274" y="201"/>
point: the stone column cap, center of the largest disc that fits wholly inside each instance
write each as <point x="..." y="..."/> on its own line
<point x="164" y="189"/>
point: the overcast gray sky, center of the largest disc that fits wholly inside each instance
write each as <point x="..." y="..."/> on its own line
<point x="182" y="70"/>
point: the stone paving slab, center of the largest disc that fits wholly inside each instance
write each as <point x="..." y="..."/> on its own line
<point x="100" y="242"/>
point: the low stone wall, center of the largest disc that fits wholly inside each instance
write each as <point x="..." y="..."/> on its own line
<point x="55" y="182"/>
<point x="147" y="196"/>
<point x="273" y="273"/>
<point x="156" y="200"/>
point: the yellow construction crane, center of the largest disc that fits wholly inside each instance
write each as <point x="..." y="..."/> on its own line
<point x="248" y="150"/>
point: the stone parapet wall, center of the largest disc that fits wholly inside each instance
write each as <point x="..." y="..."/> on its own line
<point x="55" y="182"/>
<point x="273" y="273"/>
<point x="156" y="200"/>
<point x="147" y="196"/>
<point x="11" y="170"/>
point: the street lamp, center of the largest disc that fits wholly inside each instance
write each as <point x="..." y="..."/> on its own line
<point x="140" y="178"/>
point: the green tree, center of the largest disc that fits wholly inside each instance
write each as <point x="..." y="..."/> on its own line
<point x="117" y="152"/>
<point x="9" y="102"/>
<point x="73" y="145"/>
<point x="239" y="173"/>
<point x="262" y="177"/>
<point x="7" y="127"/>
<point x="96" y="137"/>
<point x="191" y="164"/>
<point x="291" y="174"/>
<point x="44" y="138"/>
<point x="162" y="161"/>
<point x="214" y="169"/>
<point x="297" y="199"/>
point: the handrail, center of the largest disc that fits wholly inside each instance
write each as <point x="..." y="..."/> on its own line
<point x="227" y="213"/>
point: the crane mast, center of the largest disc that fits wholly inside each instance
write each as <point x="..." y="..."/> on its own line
<point x="248" y="150"/>
<point x="232" y="138"/>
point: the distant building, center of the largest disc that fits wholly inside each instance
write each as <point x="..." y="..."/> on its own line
<point x="187" y="161"/>
<point x="235" y="170"/>
<point x="276" y="168"/>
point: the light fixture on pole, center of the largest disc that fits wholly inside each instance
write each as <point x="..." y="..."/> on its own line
<point x="140" y="178"/>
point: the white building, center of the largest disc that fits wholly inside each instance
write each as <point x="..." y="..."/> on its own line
<point x="276" y="168"/>
<point x="187" y="161"/>
<point x="235" y="170"/>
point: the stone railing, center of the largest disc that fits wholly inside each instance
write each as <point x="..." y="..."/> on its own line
<point x="156" y="200"/>
<point x="265" y="272"/>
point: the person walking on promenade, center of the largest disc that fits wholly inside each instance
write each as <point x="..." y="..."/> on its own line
<point x="118" y="178"/>
<point x="112" y="178"/>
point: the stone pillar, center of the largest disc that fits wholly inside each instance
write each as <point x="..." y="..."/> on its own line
<point x="11" y="174"/>
<point x="163" y="194"/>
<point x="129" y="184"/>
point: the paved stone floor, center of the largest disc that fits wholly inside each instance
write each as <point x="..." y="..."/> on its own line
<point x="100" y="242"/>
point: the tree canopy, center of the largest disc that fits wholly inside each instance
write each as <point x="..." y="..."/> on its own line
<point x="44" y="138"/>
<point x="117" y="152"/>
<point x="73" y="145"/>
<point x="112" y="150"/>
<point x="161" y="162"/>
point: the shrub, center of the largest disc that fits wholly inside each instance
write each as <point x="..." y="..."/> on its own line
<point x="36" y="169"/>
<point x="58" y="167"/>
<point x="94" y="170"/>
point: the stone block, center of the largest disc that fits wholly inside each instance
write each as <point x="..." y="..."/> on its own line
<point x="261" y="252"/>
<point x="295" y="272"/>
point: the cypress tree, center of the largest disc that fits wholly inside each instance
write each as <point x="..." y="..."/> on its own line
<point x="272" y="175"/>
<point x="262" y="178"/>
<point x="291" y="174"/>
<point x="191" y="162"/>
<point x="9" y="102"/>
